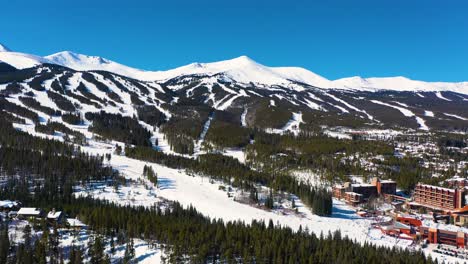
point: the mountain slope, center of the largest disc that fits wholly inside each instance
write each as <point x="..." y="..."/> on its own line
<point x="22" y="60"/>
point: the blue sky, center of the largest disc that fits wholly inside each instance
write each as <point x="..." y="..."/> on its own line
<point x="426" y="40"/>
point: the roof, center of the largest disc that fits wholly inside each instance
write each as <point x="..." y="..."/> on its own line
<point x="29" y="211"/>
<point x="353" y="193"/>
<point x="387" y="181"/>
<point x="54" y="214"/>
<point x="73" y="222"/>
<point x="362" y="185"/>
<point x="436" y="187"/>
<point x="339" y="186"/>
<point x="8" y="204"/>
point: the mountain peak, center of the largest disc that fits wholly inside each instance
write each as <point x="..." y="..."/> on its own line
<point x="4" y="48"/>
<point x="65" y="57"/>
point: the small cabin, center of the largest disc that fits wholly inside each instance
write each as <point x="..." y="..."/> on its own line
<point x="56" y="217"/>
<point x="30" y="212"/>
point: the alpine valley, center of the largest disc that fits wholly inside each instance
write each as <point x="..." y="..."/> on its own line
<point x="222" y="162"/>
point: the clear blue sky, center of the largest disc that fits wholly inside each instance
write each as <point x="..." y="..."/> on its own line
<point x="425" y="40"/>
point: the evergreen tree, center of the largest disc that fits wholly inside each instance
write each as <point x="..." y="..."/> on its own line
<point x="97" y="250"/>
<point x="4" y="242"/>
<point x="129" y="254"/>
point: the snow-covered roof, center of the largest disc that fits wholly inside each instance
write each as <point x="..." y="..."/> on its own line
<point x="436" y="187"/>
<point x="29" y="211"/>
<point x="354" y="193"/>
<point x="458" y="179"/>
<point x="387" y="181"/>
<point x="8" y="204"/>
<point x="362" y="185"/>
<point x="73" y="222"/>
<point x="54" y="214"/>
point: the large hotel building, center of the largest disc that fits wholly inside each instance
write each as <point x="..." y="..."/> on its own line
<point x="438" y="197"/>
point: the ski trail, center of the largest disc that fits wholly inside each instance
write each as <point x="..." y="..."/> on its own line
<point x="421" y="122"/>
<point x="244" y="114"/>
<point x="350" y="106"/>
<point x="439" y="94"/>
<point x="200" y="141"/>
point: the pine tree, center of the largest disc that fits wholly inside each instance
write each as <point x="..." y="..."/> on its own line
<point x="4" y="243"/>
<point x="54" y="245"/>
<point x="129" y="254"/>
<point x="112" y="244"/>
<point x="26" y="250"/>
<point x="97" y="251"/>
<point x="40" y="255"/>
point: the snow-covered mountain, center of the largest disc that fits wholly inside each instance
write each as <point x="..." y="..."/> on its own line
<point x="4" y="48"/>
<point x="20" y="60"/>
<point x="241" y="70"/>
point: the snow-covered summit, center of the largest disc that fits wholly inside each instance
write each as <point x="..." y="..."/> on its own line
<point x="22" y="60"/>
<point x="241" y="69"/>
<point x="398" y="83"/>
<point x="4" y="48"/>
<point x="82" y="62"/>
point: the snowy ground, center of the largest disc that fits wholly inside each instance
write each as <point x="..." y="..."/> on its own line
<point x="208" y="199"/>
<point x="144" y="252"/>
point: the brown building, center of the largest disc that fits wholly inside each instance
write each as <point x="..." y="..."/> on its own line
<point x="366" y="190"/>
<point x="457" y="182"/>
<point x="384" y="186"/>
<point x="348" y="191"/>
<point x="353" y="198"/>
<point x="438" y="198"/>
<point x="339" y="191"/>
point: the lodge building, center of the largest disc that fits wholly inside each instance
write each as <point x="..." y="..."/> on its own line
<point x="439" y="198"/>
<point x="355" y="194"/>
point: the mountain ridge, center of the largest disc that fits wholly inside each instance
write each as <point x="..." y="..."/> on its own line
<point x="241" y="69"/>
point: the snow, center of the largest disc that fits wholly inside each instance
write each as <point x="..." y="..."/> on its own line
<point x="82" y="62"/>
<point x="439" y="95"/>
<point x="22" y="60"/>
<point x="228" y="102"/>
<point x="336" y="134"/>
<point x="134" y="193"/>
<point x="244" y="114"/>
<point x="272" y="103"/>
<point x="235" y="153"/>
<point x="73" y="222"/>
<point x="456" y="116"/>
<point x="204" y="195"/>
<point x="422" y="123"/>
<point x="342" y="109"/>
<point x="8" y="204"/>
<point x="404" y="111"/>
<point x="4" y="48"/>
<point x="293" y="125"/>
<point x="241" y="69"/>
<point x="349" y="106"/>
<point x="429" y="113"/>
<point x="200" y="141"/>
<point x="54" y="215"/>
<point x="314" y="106"/>
<point x="29" y="211"/>
<point x="398" y="83"/>
<point x="313" y="96"/>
